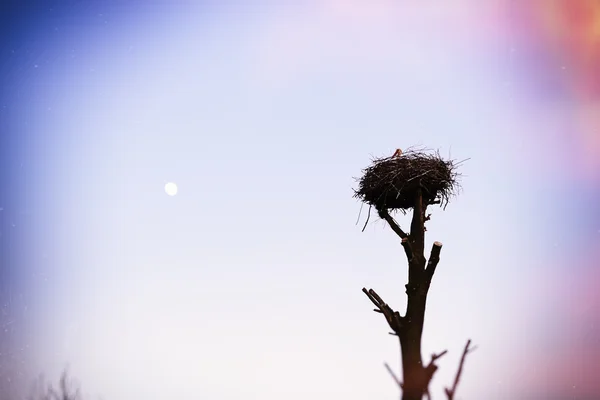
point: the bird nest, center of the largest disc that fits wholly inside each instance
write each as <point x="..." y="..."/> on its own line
<point x="391" y="183"/>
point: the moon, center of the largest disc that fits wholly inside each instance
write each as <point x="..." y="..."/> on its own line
<point x="171" y="189"/>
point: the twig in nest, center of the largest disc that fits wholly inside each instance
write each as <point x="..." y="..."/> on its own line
<point x="359" y="213"/>
<point x="450" y="392"/>
<point x="367" y="221"/>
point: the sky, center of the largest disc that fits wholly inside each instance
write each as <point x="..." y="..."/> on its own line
<point x="247" y="283"/>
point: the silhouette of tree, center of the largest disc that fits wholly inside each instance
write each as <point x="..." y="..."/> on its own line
<point x="411" y="180"/>
<point x="65" y="391"/>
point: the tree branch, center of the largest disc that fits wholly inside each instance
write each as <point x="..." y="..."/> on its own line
<point x="434" y="259"/>
<point x="434" y="357"/>
<point x="394" y="377"/>
<point x="384" y="214"/>
<point x="451" y="392"/>
<point x="393" y="318"/>
<point x="431" y="367"/>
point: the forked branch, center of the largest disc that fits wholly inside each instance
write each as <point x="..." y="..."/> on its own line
<point x="450" y="392"/>
<point x="393" y="318"/>
<point x="431" y="367"/>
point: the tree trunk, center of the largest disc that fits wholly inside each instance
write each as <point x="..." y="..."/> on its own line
<point x="415" y="377"/>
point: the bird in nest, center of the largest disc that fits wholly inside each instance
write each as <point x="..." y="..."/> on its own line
<point x="397" y="153"/>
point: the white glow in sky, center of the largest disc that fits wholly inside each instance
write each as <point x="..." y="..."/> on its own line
<point x="171" y="189"/>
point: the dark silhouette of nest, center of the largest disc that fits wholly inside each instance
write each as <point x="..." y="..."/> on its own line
<point x="391" y="183"/>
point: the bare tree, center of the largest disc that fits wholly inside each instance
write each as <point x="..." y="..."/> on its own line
<point x="65" y="390"/>
<point x="411" y="180"/>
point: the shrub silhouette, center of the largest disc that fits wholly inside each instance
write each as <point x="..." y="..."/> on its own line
<point x="66" y="390"/>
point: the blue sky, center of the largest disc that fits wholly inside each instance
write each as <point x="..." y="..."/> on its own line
<point x="248" y="282"/>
